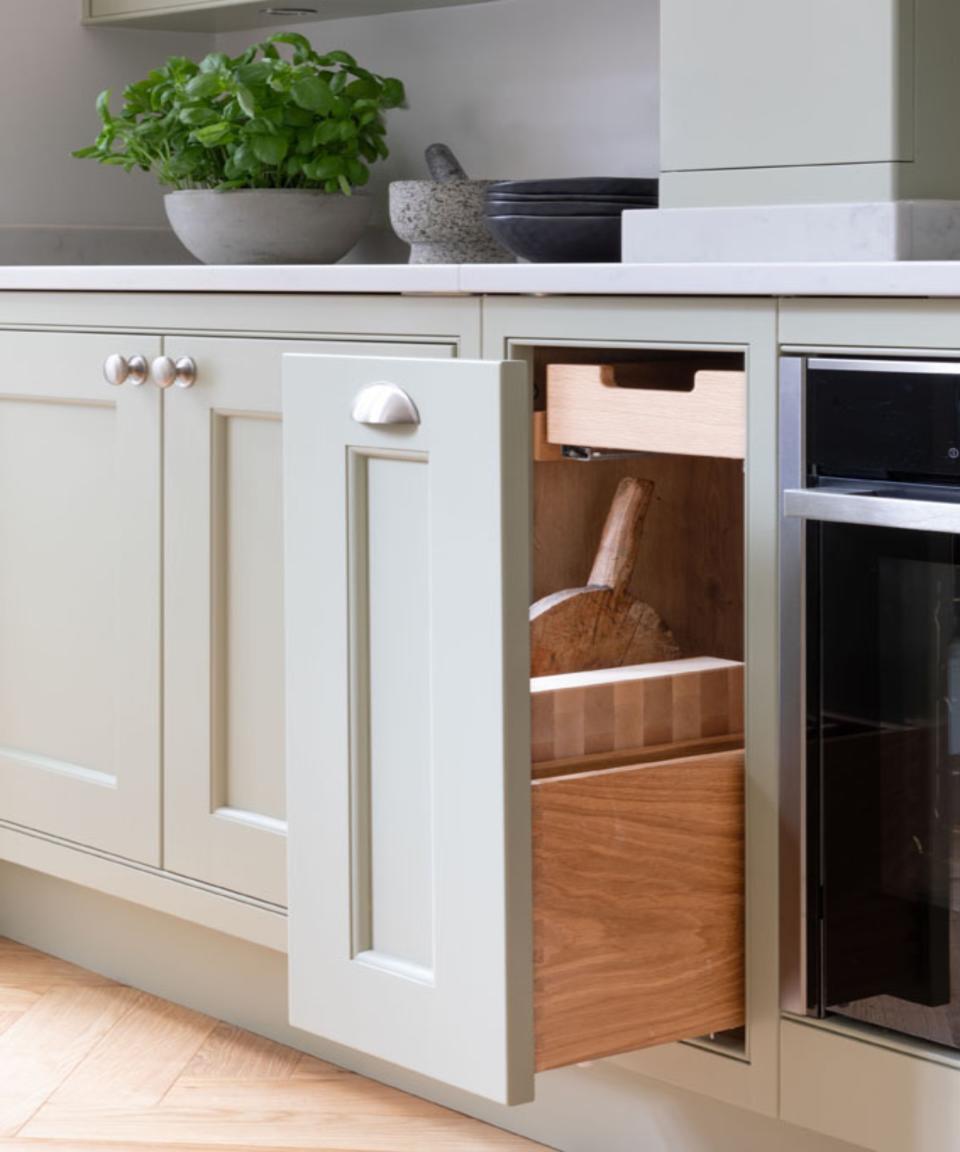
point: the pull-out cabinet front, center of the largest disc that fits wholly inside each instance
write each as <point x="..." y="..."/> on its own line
<point x="427" y="926"/>
<point x="407" y="569"/>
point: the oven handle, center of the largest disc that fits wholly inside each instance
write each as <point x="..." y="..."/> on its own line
<point x="871" y="511"/>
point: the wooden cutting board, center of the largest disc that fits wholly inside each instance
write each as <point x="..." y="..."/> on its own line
<point x="603" y="625"/>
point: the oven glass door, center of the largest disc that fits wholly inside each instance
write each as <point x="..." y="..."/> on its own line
<point x="883" y="774"/>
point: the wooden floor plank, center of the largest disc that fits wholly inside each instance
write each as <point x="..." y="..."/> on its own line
<point x="43" y="1047"/>
<point x="15" y="1144"/>
<point x="136" y="1064"/>
<point x="348" y="1112"/>
<point x="310" y="1068"/>
<point x="230" y="1052"/>
<point x="315" y="1131"/>
<point x="7" y="1019"/>
<point x="87" y="1065"/>
<point x="25" y="969"/>
<point x="17" y="1000"/>
<point x="20" y="1145"/>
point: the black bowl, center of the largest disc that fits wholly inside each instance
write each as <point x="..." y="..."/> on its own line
<point x="571" y="198"/>
<point x="559" y="239"/>
<point x="559" y="208"/>
<point x="580" y="186"/>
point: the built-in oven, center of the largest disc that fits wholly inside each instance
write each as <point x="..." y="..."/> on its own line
<point x="870" y="692"/>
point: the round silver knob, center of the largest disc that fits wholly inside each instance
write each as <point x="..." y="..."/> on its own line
<point x="118" y="369"/>
<point x="182" y="372"/>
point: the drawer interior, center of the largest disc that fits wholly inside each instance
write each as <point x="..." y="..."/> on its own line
<point x="638" y="768"/>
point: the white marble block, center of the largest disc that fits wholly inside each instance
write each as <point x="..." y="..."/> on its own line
<point x="895" y="230"/>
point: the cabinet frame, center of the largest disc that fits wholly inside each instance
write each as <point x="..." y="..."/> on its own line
<point x="512" y="328"/>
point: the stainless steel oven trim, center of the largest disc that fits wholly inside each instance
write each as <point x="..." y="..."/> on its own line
<point x="870" y="511"/>
<point x="793" y="863"/>
<point x="900" y="367"/>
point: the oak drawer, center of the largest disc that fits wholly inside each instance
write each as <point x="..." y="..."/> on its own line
<point x="638" y="905"/>
<point x="647" y="408"/>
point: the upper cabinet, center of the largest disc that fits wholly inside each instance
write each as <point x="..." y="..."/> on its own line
<point x="228" y="15"/>
<point x="730" y="103"/>
<point x="767" y="103"/>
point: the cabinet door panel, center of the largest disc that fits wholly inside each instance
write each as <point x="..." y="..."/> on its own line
<point x="728" y="101"/>
<point x="80" y="594"/>
<point x="407" y="592"/>
<point x="224" y="780"/>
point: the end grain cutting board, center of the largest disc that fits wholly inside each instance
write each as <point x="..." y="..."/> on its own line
<point x="603" y="625"/>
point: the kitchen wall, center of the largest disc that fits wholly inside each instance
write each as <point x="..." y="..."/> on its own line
<point x="517" y="87"/>
<point x="54" y="208"/>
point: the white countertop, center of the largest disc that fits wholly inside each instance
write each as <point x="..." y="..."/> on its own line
<point x="940" y="279"/>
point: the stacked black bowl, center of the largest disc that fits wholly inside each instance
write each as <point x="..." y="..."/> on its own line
<point x="565" y="221"/>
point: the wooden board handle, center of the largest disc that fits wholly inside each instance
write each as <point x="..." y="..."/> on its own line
<point x="617" y="555"/>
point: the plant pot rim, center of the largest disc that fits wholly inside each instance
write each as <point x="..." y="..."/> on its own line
<point x="265" y="191"/>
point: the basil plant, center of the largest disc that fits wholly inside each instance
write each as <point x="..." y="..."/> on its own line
<point x="259" y="120"/>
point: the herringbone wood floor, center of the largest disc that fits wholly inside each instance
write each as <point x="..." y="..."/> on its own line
<point x="88" y="1065"/>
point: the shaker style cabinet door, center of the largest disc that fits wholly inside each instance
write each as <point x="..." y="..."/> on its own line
<point x="80" y="591"/>
<point x="406" y="485"/>
<point x="225" y="807"/>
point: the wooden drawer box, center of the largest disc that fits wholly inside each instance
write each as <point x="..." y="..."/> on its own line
<point x="647" y="408"/>
<point x="585" y="714"/>
<point x="638" y="906"/>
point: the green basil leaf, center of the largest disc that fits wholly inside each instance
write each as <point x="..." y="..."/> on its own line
<point x="196" y="116"/>
<point x="301" y="43"/>
<point x="246" y="101"/>
<point x="312" y="93"/>
<point x="103" y="106"/>
<point x="394" y="94"/>
<point x="203" y="85"/>
<point x="270" y="150"/>
<point x="215" y="62"/>
<point x="213" y="135"/>
<point x="325" y="133"/>
<point x="325" y="168"/>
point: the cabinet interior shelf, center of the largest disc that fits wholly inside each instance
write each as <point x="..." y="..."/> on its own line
<point x="234" y="15"/>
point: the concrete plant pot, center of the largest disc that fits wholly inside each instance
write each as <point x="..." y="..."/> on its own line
<point x="444" y="223"/>
<point x="268" y="226"/>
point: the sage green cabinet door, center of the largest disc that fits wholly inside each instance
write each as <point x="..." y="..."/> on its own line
<point x="224" y="778"/>
<point x="80" y="593"/>
<point x="770" y="83"/>
<point x="406" y="484"/>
